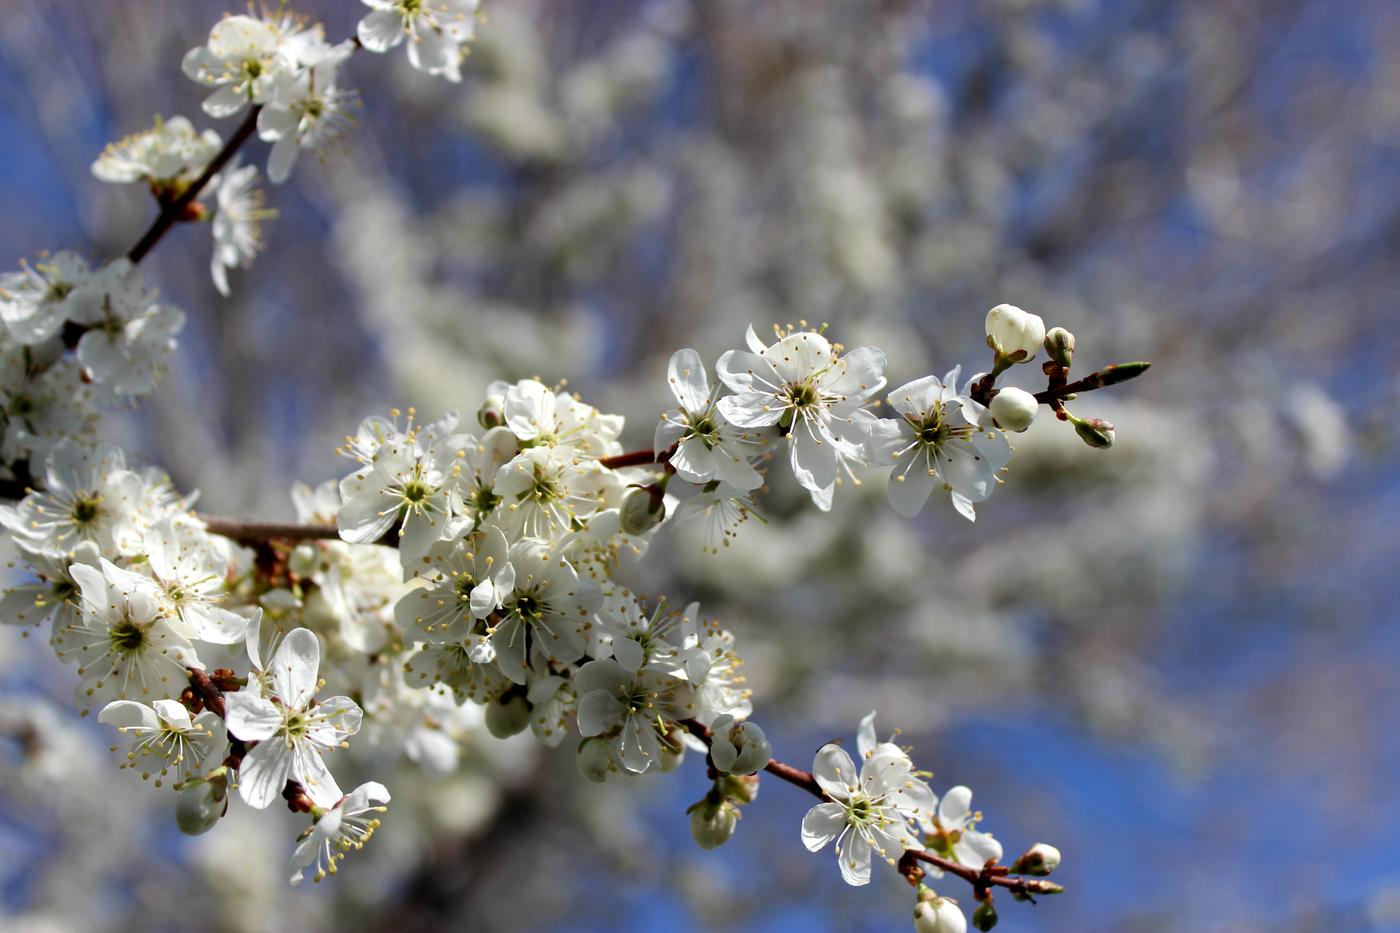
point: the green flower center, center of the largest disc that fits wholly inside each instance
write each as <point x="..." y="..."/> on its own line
<point x="802" y="395"/>
<point x="127" y="637"/>
<point x="86" y="510"/>
<point x="529" y="608"/>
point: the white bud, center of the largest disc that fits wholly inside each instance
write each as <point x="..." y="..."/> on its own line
<point x="508" y="716"/>
<point x="304" y="560"/>
<point x="939" y="915"/>
<point x="1014" y="334"/>
<point x="200" y="804"/>
<point x="1014" y="408"/>
<point x="738" y="748"/>
<point x="593" y="760"/>
<point x="492" y="413"/>
<point x="641" y="511"/>
<point x="712" y="824"/>
<point x="1039" y="859"/>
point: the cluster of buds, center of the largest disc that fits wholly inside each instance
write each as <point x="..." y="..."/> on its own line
<point x="1017" y="336"/>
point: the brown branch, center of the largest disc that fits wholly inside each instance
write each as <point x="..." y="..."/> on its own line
<point x="636" y="458"/>
<point x="1108" y="376"/>
<point x="251" y="532"/>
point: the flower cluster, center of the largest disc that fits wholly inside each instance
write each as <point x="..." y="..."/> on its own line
<point x="461" y="575"/>
<point x="74" y="337"/>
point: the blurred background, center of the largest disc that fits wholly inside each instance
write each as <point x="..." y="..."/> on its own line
<point x="1176" y="660"/>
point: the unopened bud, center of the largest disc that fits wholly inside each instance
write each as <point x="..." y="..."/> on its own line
<point x="934" y="914"/>
<point x="1013" y="408"/>
<point x="738" y="748"/>
<point x="985" y="916"/>
<point x="492" y="413"/>
<point x="1059" y="345"/>
<point x="713" y="823"/>
<point x="200" y="803"/>
<point x="671" y="758"/>
<point x="741" y="788"/>
<point x="508" y="716"/>
<point x="593" y="760"/>
<point x="1095" y="432"/>
<point x="1014" y="335"/>
<point x="642" y="510"/>
<point x="1039" y="859"/>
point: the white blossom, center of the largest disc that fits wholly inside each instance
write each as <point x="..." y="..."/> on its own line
<point x="88" y="495"/>
<point x="810" y="390"/>
<point x="123" y="643"/>
<point x="165" y="736"/>
<point x="707" y="446"/>
<point x="242" y="61"/>
<point x="290" y="728"/>
<point x="307" y="109"/>
<point x="938" y="438"/>
<point x="37" y="300"/>
<point x="952" y="831"/>
<point x="239" y="212"/>
<point x="343" y="828"/>
<point x="169" y="154"/>
<point x="876" y="811"/>
<point x="436" y="30"/>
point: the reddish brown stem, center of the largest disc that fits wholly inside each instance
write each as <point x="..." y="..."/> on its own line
<point x="636" y="458"/>
<point x="208" y="691"/>
<point x="250" y="532"/>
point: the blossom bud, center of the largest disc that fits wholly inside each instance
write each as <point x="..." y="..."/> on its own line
<point x="1040" y="859"/>
<point x="938" y="915"/>
<point x="1059" y="345"/>
<point x="592" y="760"/>
<point x="985" y="916"/>
<point x="741" y="788"/>
<point x="642" y="510"/>
<point x="492" y="413"/>
<point x="1014" y="335"/>
<point x="200" y="804"/>
<point x="738" y="748"/>
<point x="671" y="758"/>
<point x="508" y="715"/>
<point x="304" y="560"/>
<point x="712" y="823"/>
<point x="1095" y="432"/>
<point x="1014" y="408"/>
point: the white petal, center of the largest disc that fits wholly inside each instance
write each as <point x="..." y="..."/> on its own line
<point x="955" y="807"/>
<point x="865" y="736"/>
<point x="128" y="714"/>
<point x="835" y="772"/>
<point x="263" y="773"/>
<point x="249" y="717"/>
<point x="315" y="777"/>
<point x="380" y="31"/>
<point x="686" y="373"/>
<point x="822" y="824"/>
<point x="296" y="666"/>
<point x="853" y="855"/>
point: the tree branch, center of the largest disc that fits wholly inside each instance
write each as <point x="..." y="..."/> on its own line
<point x="981" y="879"/>
<point x="251" y="532"/>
